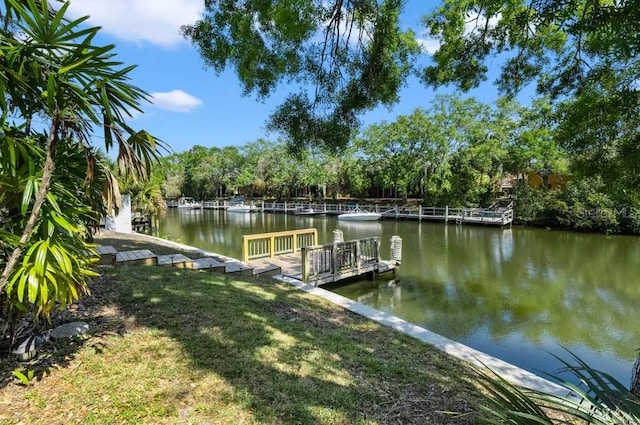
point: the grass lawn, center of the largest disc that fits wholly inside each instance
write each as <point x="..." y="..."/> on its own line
<point x="171" y="346"/>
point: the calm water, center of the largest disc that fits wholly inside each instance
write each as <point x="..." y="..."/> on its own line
<point x="518" y="294"/>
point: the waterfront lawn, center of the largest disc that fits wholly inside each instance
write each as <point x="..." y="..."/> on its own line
<point x="174" y="346"/>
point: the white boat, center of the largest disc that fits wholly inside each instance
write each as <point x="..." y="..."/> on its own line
<point x="239" y="208"/>
<point x="309" y="211"/>
<point x="359" y="215"/>
<point x="187" y="203"/>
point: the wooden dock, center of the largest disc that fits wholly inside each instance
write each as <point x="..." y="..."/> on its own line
<point x="495" y="215"/>
<point x="297" y="256"/>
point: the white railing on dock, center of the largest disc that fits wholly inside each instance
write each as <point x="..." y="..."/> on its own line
<point x="492" y="216"/>
<point x="277" y="243"/>
<point x="481" y="216"/>
<point x="351" y="258"/>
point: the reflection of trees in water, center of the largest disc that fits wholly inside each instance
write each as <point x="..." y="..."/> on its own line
<point x="575" y="288"/>
<point x="457" y="280"/>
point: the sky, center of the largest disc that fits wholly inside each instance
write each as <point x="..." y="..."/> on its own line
<point x="191" y="105"/>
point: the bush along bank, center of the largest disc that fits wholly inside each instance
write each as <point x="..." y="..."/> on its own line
<point x="586" y="205"/>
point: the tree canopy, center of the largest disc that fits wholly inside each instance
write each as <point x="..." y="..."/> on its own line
<point x="341" y="58"/>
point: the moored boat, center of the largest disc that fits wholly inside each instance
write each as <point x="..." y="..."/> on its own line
<point x="187" y="203"/>
<point x="309" y="211"/>
<point x="359" y="215"/>
<point x="239" y="208"/>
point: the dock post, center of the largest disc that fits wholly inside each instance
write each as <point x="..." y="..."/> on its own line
<point x="285" y="207"/>
<point x="396" y="207"/>
<point x="396" y="249"/>
<point x="334" y="260"/>
<point x="306" y="265"/>
<point x="357" y="258"/>
<point x="420" y="213"/>
<point x="446" y="214"/>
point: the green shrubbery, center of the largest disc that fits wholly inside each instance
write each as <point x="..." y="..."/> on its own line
<point x="584" y="205"/>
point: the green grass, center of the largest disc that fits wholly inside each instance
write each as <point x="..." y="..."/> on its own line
<point x="177" y="347"/>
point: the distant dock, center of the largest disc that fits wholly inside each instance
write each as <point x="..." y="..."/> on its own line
<point x="500" y="214"/>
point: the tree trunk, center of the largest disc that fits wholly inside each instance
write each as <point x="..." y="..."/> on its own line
<point x="45" y="185"/>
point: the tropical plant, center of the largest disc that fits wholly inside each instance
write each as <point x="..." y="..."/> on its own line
<point x="597" y="398"/>
<point x="53" y="181"/>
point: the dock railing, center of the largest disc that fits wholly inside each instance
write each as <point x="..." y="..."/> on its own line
<point x="349" y="258"/>
<point x="277" y="243"/>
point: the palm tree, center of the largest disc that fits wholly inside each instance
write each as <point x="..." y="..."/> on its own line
<point x="51" y="70"/>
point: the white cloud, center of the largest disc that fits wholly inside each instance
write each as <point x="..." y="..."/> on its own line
<point x="476" y="22"/>
<point x="155" y="22"/>
<point x="428" y="44"/>
<point x="175" y="101"/>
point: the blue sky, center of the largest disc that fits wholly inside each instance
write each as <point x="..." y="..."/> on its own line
<point x="194" y="106"/>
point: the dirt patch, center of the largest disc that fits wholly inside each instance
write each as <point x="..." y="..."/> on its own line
<point x="104" y="319"/>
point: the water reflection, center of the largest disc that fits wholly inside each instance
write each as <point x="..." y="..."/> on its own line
<point x="513" y="293"/>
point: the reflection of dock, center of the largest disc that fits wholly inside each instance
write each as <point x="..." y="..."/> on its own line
<point x="298" y="256"/>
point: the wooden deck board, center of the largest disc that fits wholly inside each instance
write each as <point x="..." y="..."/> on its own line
<point x="175" y="260"/>
<point x="142" y="257"/>
<point x="291" y="266"/>
<point x="239" y="268"/>
<point x="267" y="270"/>
<point x="107" y="254"/>
<point x="208" y="263"/>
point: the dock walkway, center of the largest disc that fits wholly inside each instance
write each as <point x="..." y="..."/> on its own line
<point x="298" y="256"/>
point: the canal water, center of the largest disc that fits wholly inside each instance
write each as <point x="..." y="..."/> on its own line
<point x="518" y="294"/>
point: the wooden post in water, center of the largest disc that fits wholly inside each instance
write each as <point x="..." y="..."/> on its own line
<point x="420" y="213"/>
<point x="446" y="214"/>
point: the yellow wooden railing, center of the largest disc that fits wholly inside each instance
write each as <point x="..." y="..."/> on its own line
<point x="277" y="243"/>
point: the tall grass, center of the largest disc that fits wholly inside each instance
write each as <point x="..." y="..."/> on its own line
<point x="597" y="398"/>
